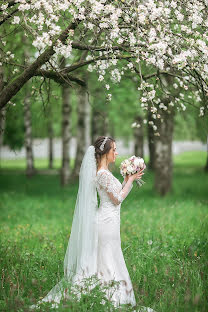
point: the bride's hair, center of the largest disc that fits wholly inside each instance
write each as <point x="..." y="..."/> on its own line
<point x="97" y="144"/>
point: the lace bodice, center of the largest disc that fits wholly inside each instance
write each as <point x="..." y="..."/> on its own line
<point x="110" y="189"/>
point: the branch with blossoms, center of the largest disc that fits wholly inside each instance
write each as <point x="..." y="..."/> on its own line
<point x="165" y="36"/>
<point x="8" y="16"/>
<point x="8" y="4"/>
<point x="77" y="65"/>
<point x="11" y="89"/>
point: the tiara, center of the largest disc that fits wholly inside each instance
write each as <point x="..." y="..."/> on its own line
<point x="103" y="144"/>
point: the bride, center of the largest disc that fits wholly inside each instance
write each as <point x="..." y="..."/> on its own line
<point x="94" y="248"/>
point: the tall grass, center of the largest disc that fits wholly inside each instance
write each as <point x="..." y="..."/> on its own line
<point x="164" y="240"/>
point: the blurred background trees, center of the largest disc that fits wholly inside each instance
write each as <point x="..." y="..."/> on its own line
<point x="85" y="113"/>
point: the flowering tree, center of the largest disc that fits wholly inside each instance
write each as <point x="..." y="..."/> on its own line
<point x="155" y="39"/>
<point x="171" y="36"/>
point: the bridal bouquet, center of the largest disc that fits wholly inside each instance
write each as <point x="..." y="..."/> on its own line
<point x="132" y="165"/>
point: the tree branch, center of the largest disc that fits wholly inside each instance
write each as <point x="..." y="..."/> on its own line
<point x="158" y="73"/>
<point x="58" y="78"/>
<point x="8" y="16"/>
<point x="79" y="46"/>
<point x="77" y="65"/>
<point x="10" y="4"/>
<point x="10" y="90"/>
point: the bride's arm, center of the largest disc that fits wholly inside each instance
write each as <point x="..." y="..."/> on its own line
<point x="106" y="181"/>
<point x="124" y="181"/>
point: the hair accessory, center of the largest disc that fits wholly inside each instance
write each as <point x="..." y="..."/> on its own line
<point x="103" y="144"/>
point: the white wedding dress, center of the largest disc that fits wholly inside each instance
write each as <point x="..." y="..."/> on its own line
<point x="110" y="263"/>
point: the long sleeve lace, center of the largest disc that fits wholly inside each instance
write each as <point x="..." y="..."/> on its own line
<point x="124" y="183"/>
<point x="106" y="181"/>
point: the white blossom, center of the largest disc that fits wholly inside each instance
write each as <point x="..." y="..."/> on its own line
<point x="4" y="6"/>
<point x="201" y="111"/>
<point x="109" y="97"/>
<point x="16" y="20"/>
<point x="206" y="68"/>
<point x="100" y="78"/>
<point x="144" y="99"/>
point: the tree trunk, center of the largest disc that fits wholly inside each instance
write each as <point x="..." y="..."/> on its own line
<point x="99" y="120"/>
<point x="2" y="127"/>
<point x="87" y="121"/>
<point x="83" y="129"/>
<point x="95" y="124"/>
<point x="105" y="124"/>
<point x="162" y="144"/>
<point x="50" y="138"/>
<point x="151" y="142"/>
<point x="30" y="170"/>
<point x="138" y="138"/>
<point x="206" y="166"/>
<point x="163" y="152"/>
<point x="2" y="112"/>
<point x="66" y="111"/>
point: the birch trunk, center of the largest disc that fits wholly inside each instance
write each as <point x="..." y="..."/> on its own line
<point x="83" y="128"/>
<point x="30" y="170"/>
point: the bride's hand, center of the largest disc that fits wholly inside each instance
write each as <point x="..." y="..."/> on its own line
<point x="137" y="175"/>
<point x="126" y="178"/>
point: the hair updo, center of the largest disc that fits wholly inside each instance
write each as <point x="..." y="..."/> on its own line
<point x="106" y="149"/>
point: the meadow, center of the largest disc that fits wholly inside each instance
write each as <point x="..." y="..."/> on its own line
<point x="164" y="240"/>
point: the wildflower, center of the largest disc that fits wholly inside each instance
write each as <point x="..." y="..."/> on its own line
<point x="149" y="242"/>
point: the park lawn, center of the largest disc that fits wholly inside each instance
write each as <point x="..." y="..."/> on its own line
<point x="164" y="240"/>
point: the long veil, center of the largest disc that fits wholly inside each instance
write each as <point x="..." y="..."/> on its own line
<point x="80" y="262"/>
<point x="81" y="254"/>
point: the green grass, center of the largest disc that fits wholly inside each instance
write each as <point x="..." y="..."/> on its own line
<point x="164" y="240"/>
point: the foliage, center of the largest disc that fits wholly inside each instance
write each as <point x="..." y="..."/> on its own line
<point x="14" y="130"/>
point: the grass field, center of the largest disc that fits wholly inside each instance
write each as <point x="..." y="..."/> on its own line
<point x="164" y="240"/>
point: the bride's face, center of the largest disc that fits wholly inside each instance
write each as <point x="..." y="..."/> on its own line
<point x="112" y="153"/>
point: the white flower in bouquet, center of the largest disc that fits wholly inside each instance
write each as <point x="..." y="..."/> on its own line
<point x="132" y="165"/>
<point x="139" y="162"/>
<point x="130" y="169"/>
